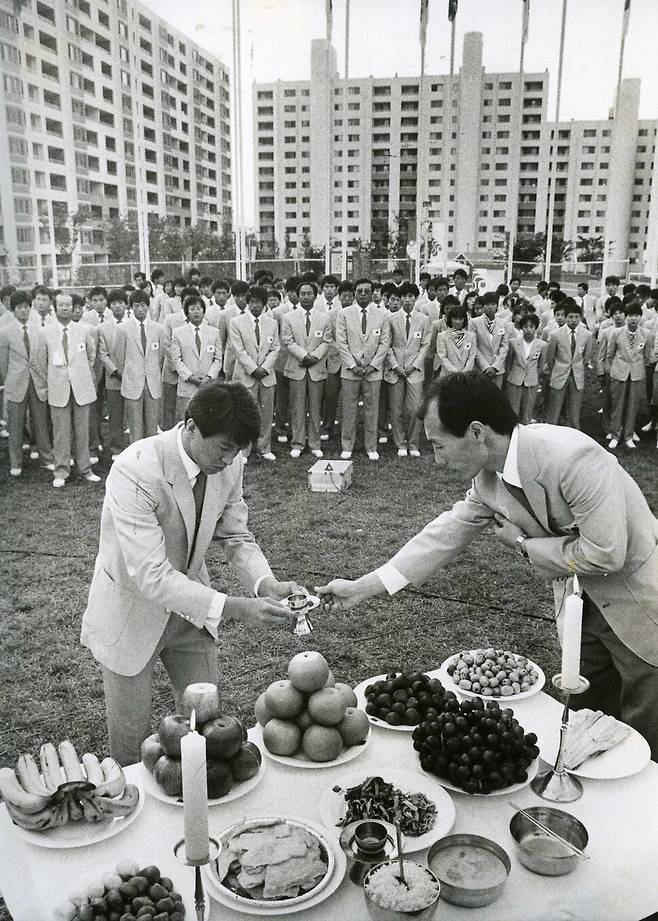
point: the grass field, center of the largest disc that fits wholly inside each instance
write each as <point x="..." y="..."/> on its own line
<point x="50" y="687"/>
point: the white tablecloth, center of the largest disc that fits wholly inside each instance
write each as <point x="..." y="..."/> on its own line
<point x="619" y="883"/>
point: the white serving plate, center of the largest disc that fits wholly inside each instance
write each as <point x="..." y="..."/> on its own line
<point x="628" y="757"/>
<point x="532" y="773"/>
<point x="332" y="805"/>
<point x="446" y="680"/>
<point x="335" y="873"/>
<point x="301" y="761"/>
<point x="80" y="834"/>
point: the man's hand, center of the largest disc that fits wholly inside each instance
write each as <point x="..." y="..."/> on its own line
<point x="259" y="612"/>
<point x="367" y="369"/>
<point x="195" y="380"/>
<point x="507" y="532"/>
<point x="399" y="370"/>
<point x="272" y="588"/>
<point x="490" y="371"/>
<point x="307" y="361"/>
<point x="340" y="595"/>
<point x="358" y="370"/>
<point x="116" y="374"/>
<point x="259" y="373"/>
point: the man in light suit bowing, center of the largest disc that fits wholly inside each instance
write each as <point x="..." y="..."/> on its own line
<point x="566" y="506"/>
<point x="167" y="497"/>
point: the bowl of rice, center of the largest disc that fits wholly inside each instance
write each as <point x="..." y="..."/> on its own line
<point x="388" y="899"/>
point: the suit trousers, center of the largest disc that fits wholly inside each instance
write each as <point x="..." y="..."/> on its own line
<point x="142" y="415"/>
<point x="16" y="426"/>
<point x="621" y="683"/>
<point x="384" y="412"/>
<point x="282" y="402"/>
<point x="72" y="419"/>
<point x="654" y="397"/>
<point x="556" y="399"/>
<point x="649" y="382"/>
<point x="115" y="415"/>
<point x="330" y="400"/>
<point x="404" y="399"/>
<point x="626" y="397"/>
<point x="264" y="396"/>
<point x="181" y="406"/>
<point x="305" y="396"/>
<point x="351" y="392"/>
<point x="188" y="655"/>
<point x="96" y="416"/>
<point x="168" y="408"/>
<point x="606" y="404"/>
<point x="522" y="400"/>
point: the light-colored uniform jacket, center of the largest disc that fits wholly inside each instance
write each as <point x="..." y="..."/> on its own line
<point x="16" y="368"/>
<point x="624" y="361"/>
<point x="522" y="371"/>
<point x="408" y="354"/>
<point x="139" y="368"/>
<point x="491" y="347"/>
<point x="298" y="344"/>
<point x="187" y="361"/>
<point x="355" y="346"/>
<point x="452" y="357"/>
<point x="250" y="355"/>
<point x="73" y="376"/>
<point x="561" y="362"/>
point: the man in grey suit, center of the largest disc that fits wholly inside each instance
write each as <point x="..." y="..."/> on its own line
<point x="167" y="497"/>
<point x="563" y="502"/>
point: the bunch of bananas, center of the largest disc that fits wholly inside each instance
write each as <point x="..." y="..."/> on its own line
<point x="65" y="791"/>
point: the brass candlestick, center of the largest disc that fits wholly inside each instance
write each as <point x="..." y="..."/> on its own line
<point x="214" y="850"/>
<point x="558" y="785"/>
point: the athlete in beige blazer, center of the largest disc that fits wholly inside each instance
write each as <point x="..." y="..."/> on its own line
<point x="404" y="374"/>
<point x="167" y="499"/>
<point x="492" y="340"/>
<point x="570" y="348"/>
<point x="106" y="344"/>
<point x="196" y="358"/>
<point x="562" y="502"/>
<point x="169" y="376"/>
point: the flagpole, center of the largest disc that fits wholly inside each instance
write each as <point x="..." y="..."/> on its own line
<point x="237" y="159"/>
<point x="424" y="11"/>
<point x="513" y="205"/>
<point x="447" y="143"/>
<point x="343" y="247"/>
<point x="330" y="172"/>
<point x="551" y="192"/>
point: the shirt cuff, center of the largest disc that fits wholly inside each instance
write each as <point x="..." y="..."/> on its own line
<point x="215" y="612"/>
<point x="258" y="583"/>
<point x="391" y="578"/>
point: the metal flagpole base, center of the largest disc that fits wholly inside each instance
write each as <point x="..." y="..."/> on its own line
<point x="557" y="785"/>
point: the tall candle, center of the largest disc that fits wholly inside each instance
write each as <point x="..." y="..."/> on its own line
<point x="571" y="633"/>
<point x="195" y="795"/>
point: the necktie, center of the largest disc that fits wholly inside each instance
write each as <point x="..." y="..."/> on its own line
<point x="490" y="326"/>
<point x="364" y="319"/>
<point x="198" y="491"/>
<point x="631" y="339"/>
<point x="101" y="317"/>
<point x="308" y="323"/>
<point x="143" y="337"/>
<point x="65" y="343"/>
<point x="458" y="336"/>
<point x="573" y="342"/>
<point x="407" y="323"/>
<point x="197" y="341"/>
<point x="26" y="340"/>
<point x="257" y="330"/>
<point x="43" y="321"/>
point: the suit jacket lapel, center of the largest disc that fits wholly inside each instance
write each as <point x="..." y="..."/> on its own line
<point x="177" y="477"/>
<point x="528" y="470"/>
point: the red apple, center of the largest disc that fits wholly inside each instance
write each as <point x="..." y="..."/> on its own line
<point x="354" y="726"/>
<point x="169" y="774"/>
<point x="308" y="671"/>
<point x="223" y="737"/>
<point x="220" y="779"/>
<point x="284" y="700"/>
<point x="246" y="763"/>
<point x="203" y="698"/>
<point x="172" y="729"/>
<point x="151" y="751"/>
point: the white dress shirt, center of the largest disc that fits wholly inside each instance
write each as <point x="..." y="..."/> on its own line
<point x="392" y="579"/>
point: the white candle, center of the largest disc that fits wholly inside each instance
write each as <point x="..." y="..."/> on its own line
<point x="571" y="632"/>
<point x="195" y="794"/>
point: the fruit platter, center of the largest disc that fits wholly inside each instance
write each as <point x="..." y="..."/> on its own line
<point x="308" y="719"/>
<point x="491" y="673"/>
<point x="66" y="801"/>
<point x="400" y="700"/>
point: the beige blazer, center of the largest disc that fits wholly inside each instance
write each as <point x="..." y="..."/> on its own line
<point x="92" y="317"/>
<point x="172" y="322"/>
<point x="452" y="357"/>
<point x="589" y="516"/>
<point x="560" y="361"/>
<point x="16" y="368"/>
<point x="355" y="347"/>
<point x="249" y="355"/>
<point x="278" y="313"/>
<point x="409" y="354"/>
<point x="73" y="376"/>
<point x="107" y="335"/>
<point x="298" y="344"/>
<point x="626" y="362"/>
<point x="334" y="362"/>
<point x="228" y="313"/>
<point x="491" y="348"/>
<point x="187" y="361"/>
<point x="522" y="371"/>
<point x="138" y="368"/>
<point x="144" y="570"/>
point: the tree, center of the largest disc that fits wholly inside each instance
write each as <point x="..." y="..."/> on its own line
<point x="590" y="249"/>
<point x="531" y="248"/>
<point x="309" y="251"/>
<point x="67" y="227"/>
<point x="122" y="238"/>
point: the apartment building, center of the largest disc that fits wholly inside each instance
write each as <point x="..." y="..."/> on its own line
<point x="325" y="158"/>
<point x="104" y="106"/>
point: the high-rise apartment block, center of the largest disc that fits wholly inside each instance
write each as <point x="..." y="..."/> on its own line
<point x="487" y="153"/>
<point x="104" y="107"/>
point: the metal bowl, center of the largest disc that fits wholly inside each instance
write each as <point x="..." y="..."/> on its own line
<point x="541" y="854"/>
<point x="377" y="913"/>
<point x="467" y="893"/>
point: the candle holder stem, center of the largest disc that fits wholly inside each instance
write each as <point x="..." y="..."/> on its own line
<point x="558" y="785"/>
<point x="214" y="850"/>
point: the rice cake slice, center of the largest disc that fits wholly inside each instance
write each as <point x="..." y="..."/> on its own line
<point x="273" y="852"/>
<point x="282" y="877"/>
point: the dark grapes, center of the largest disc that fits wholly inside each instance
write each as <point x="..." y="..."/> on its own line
<point x="405" y="698"/>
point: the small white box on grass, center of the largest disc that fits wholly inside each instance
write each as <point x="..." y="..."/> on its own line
<point x="330" y="475"/>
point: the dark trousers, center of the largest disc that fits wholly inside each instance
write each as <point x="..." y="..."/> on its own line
<point x="96" y="416"/>
<point x="621" y="683"/>
<point x="282" y="398"/>
<point x="330" y="401"/>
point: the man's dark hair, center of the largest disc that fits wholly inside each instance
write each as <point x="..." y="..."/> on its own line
<point x="439" y="282"/>
<point x="194" y="271"/>
<point x="422" y="277"/>
<point x="643" y="290"/>
<point x="346" y="285"/>
<point x="455" y="311"/>
<point x="156" y="275"/>
<point x="307" y="281"/>
<point x="220" y="283"/>
<point x="584" y="285"/>
<point x="612" y="303"/>
<point x="19" y="297"/>
<point x="530" y="318"/>
<point x="462" y="273"/>
<point x="612" y="279"/>
<point x="489" y="297"/>
<point x="654" y="294"/>
<point x="140" y="275"/>
<point x="38" y="289"/>
<point x="98" y="289"/>
<point x="470" y="396"/>
<point x="225" y="409"/>
<point x="138" y="297"/>
<point x="191" y="300"/>
<point x="258" y="293"/>
<point x="515" y="278"/>
<point x="189" y="291"/>
<point x="408" y="287"/>
<point x="309" y="276"/>
<point x="450" y="301"/>
<point x="628" y="288"/>
<point x="117" y="294"/>
<point x="180" y="282"/>
<point x="292" y="282"/>
<point x="569" y="305"/>
<point x="274" y="293"/>
<point x="542" y="286"/>
<point x="362" y="281"/>
<point x="77" y="300"/>
<point x="328" y="280"/>
<point x="633" y="309"/>
<point x="7" y="291"/>
<point x="262" y="273"/>
<point x="239" y="287"/>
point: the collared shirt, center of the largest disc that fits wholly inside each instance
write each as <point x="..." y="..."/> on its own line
<point x="392" y="579"/>
<point x="216" y="608"/>
<point x="527" y="347"/>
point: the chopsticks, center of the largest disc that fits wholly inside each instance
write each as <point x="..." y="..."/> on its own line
<point x="551" y="834"/>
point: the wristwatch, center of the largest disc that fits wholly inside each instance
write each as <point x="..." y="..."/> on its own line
<point x="520" y="541"/>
